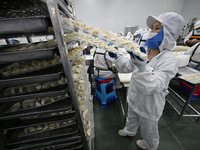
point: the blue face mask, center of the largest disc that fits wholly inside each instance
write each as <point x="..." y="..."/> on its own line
<point x="155" y="41"/>
<point x="198" y="31"/>
<point x="136" y="40"/>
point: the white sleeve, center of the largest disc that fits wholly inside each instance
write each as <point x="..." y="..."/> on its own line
<point x="187" y="37"/>
<point x="157" y="79"/>
<point x="124" y="65"/>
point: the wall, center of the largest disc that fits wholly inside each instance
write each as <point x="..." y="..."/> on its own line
<point x="191" y="9"/>
<point x="114" y="15"/>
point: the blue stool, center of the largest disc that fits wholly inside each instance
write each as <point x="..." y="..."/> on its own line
<point x="104" y="91"/>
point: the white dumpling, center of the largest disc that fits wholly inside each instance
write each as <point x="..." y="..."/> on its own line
<point x="16" y="106"/>
<point x="32" y="129"/>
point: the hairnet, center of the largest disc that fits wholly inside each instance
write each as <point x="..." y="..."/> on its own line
<point x="197" y="24"/>
<point x="140" y="31"/>
<point x="172" y="24"/>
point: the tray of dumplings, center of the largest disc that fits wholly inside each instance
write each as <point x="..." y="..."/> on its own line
<point x="67" y="131"/>
<point x="24" y="25"/>
<point x="28" y="52"/>
<point x="60" y="107"/>
<point x="192" y="78"/>
<point x="44" y="75"/>
<point x="34" y="103"/>
<point x="46" y="142"/>
<point x="31" y="91"/>
<point x="90" y="35"/>
<point x="14" y="69"/>
<point x="49" y="143"/>
<point x="65" y="142"/>
<point x="45" y="127"/>
<point x="19" y="124"/>
<point x="68" y="145"/>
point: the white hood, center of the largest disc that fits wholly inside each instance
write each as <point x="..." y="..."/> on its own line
<point x="197" y="24"/>
<point x="172" y="24"/>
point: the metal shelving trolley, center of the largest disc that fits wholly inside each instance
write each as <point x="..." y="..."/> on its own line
<point x="45" y="94"/>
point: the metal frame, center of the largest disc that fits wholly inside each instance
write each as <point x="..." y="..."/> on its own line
<point x="53" y="7"/>
<point x="186" y="103"/>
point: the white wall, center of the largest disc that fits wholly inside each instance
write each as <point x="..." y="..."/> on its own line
<point x="191" y="9"/>
<point x="114" y="15"/>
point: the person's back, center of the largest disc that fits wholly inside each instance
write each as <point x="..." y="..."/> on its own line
<point x="194" y="61"/>
<point x="102" y="64"/>
<point x="194" y="36"/>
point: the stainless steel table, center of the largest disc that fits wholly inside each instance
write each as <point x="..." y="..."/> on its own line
<point x="192" y="76"/>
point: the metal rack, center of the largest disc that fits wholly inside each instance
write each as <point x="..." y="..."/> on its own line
<point x="64" y="110"/>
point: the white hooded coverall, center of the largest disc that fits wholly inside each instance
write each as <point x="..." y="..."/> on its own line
<point x="147" y="90"/>
<point x="103" y="64"/>
<point x="194" y="51"/>
<point x="193" y="34"/>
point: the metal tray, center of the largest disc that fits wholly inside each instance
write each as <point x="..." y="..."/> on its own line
<point x="56" y="142"/>
<point x="24" y="25"/>
<point x="27" y="55"/>
<point x="59" y="90"/>
<point x="49" y="138"/>
<point x="73" y="146"/>
<point x="29" y="108"/>
<point x="18" y="123"/>
<point x="66" y="104"/>
<point x="68" y="131"/>
<point x="44" y="75"/>
<point x="76" y="145"/>
<point x="23" y="135"/>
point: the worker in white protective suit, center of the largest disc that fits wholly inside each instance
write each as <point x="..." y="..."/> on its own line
<point x="129" y="36"/>
<point x="144" y="37"/>
<point x="194" y="53"/>
<point x="103" y="67"/>
<point x="150" y="79"/>
<point x="194" y="36"/>
<point x="137" y="35"/>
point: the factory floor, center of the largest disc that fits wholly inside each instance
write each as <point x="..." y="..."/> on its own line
<point x="183" y="134"/>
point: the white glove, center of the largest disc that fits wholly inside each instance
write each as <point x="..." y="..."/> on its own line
<point x="139" y="62"/>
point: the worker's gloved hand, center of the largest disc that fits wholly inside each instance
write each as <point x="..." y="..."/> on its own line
<point x="139" y="62"/>
<point x="113" y="55"/>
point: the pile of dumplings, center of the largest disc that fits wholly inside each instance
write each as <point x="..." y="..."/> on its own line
<point x="192" y="78"/>
<point x="41" y="45"/>
<point x="34" y="102"/>
<point x="25" y="67"/>
<point x="103" y="35"/>
<point x="33" y="87"/>
<point x="49" y="126"/>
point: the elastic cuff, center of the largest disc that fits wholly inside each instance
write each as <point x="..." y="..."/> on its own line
<point x="129" y="133"/>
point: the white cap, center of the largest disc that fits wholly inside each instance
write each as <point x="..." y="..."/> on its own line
<point x="197" y="24"/>
<point x="172" y="21"/>
<point x="140" y="31"/>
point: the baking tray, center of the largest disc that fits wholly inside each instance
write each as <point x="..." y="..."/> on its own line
<point x="23" y="135"/>
<point x="68" y="138"/>
<point x="9" y="105"/>
<point x="64" y="105"/>
<point x="76" y="145"/>
<point x="56" y="142"/>
<point x="59" y="90"/>
<point x="68" y="131"/>
<point x="18" y="123"/>
<point x="9" y="67"/>
<point x="24" y="25"/>
<point x="44" y="75"/>
<point x="27" y="55"/>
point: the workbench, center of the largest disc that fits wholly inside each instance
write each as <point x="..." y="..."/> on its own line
<point x="191" y="76"/>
